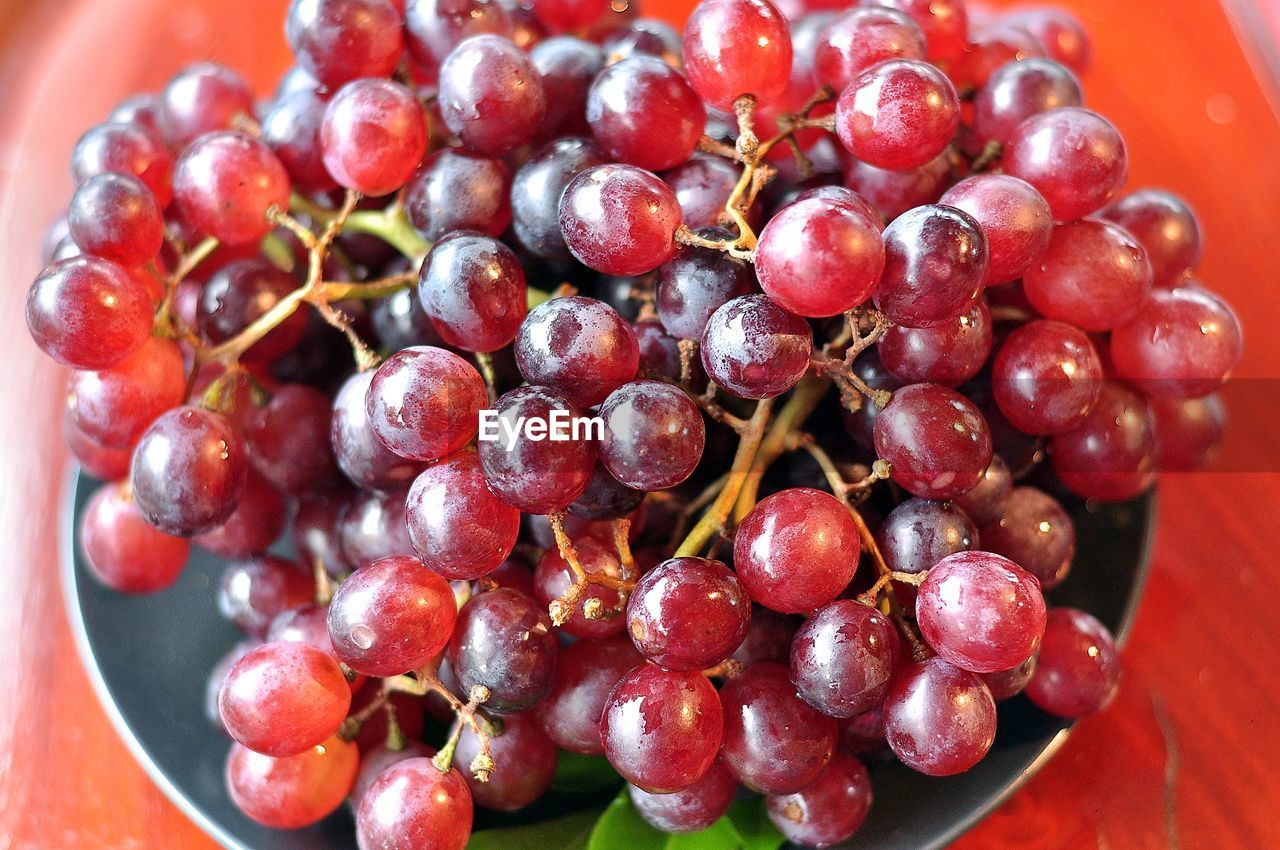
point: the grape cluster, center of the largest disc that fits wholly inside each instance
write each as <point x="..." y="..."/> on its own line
<point x="779" y="259"/>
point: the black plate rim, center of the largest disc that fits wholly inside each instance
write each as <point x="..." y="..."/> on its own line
<point x="70" y="581"/>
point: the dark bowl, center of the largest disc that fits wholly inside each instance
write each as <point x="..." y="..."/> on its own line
<point x="149" y="657"/>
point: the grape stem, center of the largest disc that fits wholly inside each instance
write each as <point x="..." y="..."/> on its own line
<point x="425" y="681"/>
<point x="791" y="416"/>
<point x="713" y="520"/>
<point x="840" y="489"/>
<point x="563" y="607"/>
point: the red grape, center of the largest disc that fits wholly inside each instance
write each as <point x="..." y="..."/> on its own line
<point x="986" y="500"/>
<point x="1013" y="216"/>
<point x="1019" y="90"/>
<point x="1112" y="455"/>
<point x="88" y="313"/>
<point x="340" y="40"/>
<point x="692" y="809"/>
<point x="939" y="720"/>
<point x="1074" y="157"/>
<point x="491" y="95"/>
<point x="413" y="800"/>
<point x="424" y="403"/>
<point x="796" y="550"/>
<point x="619" y="219"/>
<point x="755" y="349"/>
<point x="653" y="435"/>
<point x="125" y="149"/>
<point x="1035" y="532"/>
<point x="947" y="354"/>
<point x="897" y="114"/>
<point x="644" y="113"/>
<point x="737" y="47"/>
<point x="203" y="98"/>
<point x="1093" y="275"/>
<point x="1188" y="431"/>
<point x="935" y="266"/>
<point x="1078" y="669"/>
<point x="453" y="191"/>
<point x="292" y="129"/>
<point x="124" y="551"/>
<point x="860" y="38"/>
<point x="390" y="617"/>
<point x="944" y="23"/>
<point x="361" y="455"/>
<point x="459" y="528"/>
<point x="844" y="658"/>
<point x="432" y="28"/>
<point x="688" y="613"/>
<point x="504" y="642"/>
<point x="116" y="217"/>
<point x="252" y="593"/>
<point x="225" y="184"/>
<point x="586" y="675"/>
<point x="114" y="406"/>
<point x="662" y="729"/>
<point x="373" y="136"/>
<point x="936" y="441"/>
<point x="293" y="791"/>
<point x="1165" y="227"/>
<point x="1046" y="377"/>
<point x="829" y="811"/>
<point x="524" y="759"/>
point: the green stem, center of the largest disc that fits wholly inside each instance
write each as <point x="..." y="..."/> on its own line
<point x="791" y="416"/>
<point x="391" y="226"/>
<point x="712" y="522"/>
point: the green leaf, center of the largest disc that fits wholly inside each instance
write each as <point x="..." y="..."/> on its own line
<point x="622" y="827"/>
<point x="578" y="774"/>
<point x="569" y="832"/>
<point x="753" y="825"/>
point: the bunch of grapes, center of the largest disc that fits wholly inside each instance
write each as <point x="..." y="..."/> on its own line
<point x="849" y="293"/>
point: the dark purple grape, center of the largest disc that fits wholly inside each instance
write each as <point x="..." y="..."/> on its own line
<point x="567" y="65"/>
<point x="373" y="526"/>
<point x="341" y="40"/>
<point x="491" y="96"/>
<point x="504" y="642"/>
<point x="360" y="454"/>
<point x="524" y="761"/>
<point x="473" y="288"/>
<point x="1034" y="531"/>
<point x="986" y="500"/>
<point x="536" y="190"/>
<point x="252" y="593"/>
<point x="755" y="349"/>
<point x="653" y="435"/>
<point x="695" y="283"/>
<point x="605" y="497"/>
<point x="579" y="347"/>
<point x="692" y="809"/>
<point x="453" y="191"/>
<point x="844" y="658"/>
<point x="1078" y="670"/>
<point x="935" y="266"/>
<point x="241" y="292"/>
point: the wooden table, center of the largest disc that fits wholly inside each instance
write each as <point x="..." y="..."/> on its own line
<point x="1186" y="756"/>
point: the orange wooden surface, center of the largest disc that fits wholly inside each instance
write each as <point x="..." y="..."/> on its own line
<point x="1187" y="753"/>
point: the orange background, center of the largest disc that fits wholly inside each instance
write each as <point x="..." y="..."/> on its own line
<point x="1175" y="80"/>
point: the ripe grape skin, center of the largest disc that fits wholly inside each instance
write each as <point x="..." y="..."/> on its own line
<point x="986" y="500"/>
<point x="605" y="497"/>
<point x="647" y="37"/>
<point x="340" y="40"/>
<point x="862" y="37"/>
<point x="103" y="463"/>
<point x="1006" y="684"/>
<point x="643" y="112"/>
<point x="373" y="136"/>
<point x="253" y="592"/>
<point x="1165" y="227"/>
<point x="1188" y="430"/>
<point x="123" y="550"/>
<point x="88" y="313"/>
<point x="935" y="439"/>
<point x="374" y="761"/>
<point x="553" y="578"/>
<point x="769" y="637"/>
<point x="535" y="476"/>
<point x="453" y="191"/>
<point x="818" y="257"/>
<point x="116" y="217"/>
<point x="504" y="641"/>
<point x="796" y="550"/>
<point x="567" y="66"/>
<point x="579" y="347"/>
<point x="424" y="403"/>
<point x="619" y="220"/>
<point x="226" y="182"/>
<point x="1062" y="36"/>
<point x="283" y="698"/>
<point x="309" y="624"/>
<point x="1093" y="275"/>
<point x="1074" y="157"/>
<point x="895" y="192"/>
<point x="947" y="355"/>
<point x="1046" y="377"/>
<point x="1078" y="670"/>
<point x="536" y="190"/>
<point x="373" y="526"/>
<point x="990" y="48"/>
<point x="473" y="288"/>
<point x="434" y="27"/>
<point x="863" y="734"/>
<point x="458" y="527"/>
<point x="413" y="800"/>
<point x="203" y="98"/>
<point x="688" y="614"/>
<point x="391" y="616"/>
<point x="662" y="729"/>
<point x="586" y="675"/>
<point x="292" y="129"/>
<point x="774" y="742"/>
<point x="830" y="810"/>
<point x="1182" y="343"/>
<point x="653" y="435"/>
<point x="695" y="283"/>
<point x="897" y="114"/>
<point x="737" y="47"/>
<point x="843" y="658"/>
<point x="296" y="414"/>
<point x="400" y="322"/>
<point x="1035" y="532"/>
<point x="918" y="533"/>
<point x="939" y="720"/>
<point x="1111" y="456"/>
<point x="125" y="149"/>
<point x="240" y="293"/>
<point x="691" y="810"/>
<point x="1019" y="90"/>
<point x="113" y="406"/>
<point x="935" y="266"/>
<point x="491" y="95"/>
<point x="188" y="471"/>
<point x="980" y="611"/>
<point x="524" y="759"/>
<point x="560" y="16"/>
<point x="257" y="522"/>
<point x="755" y="349"/>
<point x="1013" y="216"/>
<point x="294" y="791"/>
<point x="943" y="22"/>
<point x="701" y="185"/>
<point x="360" y="454"/>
